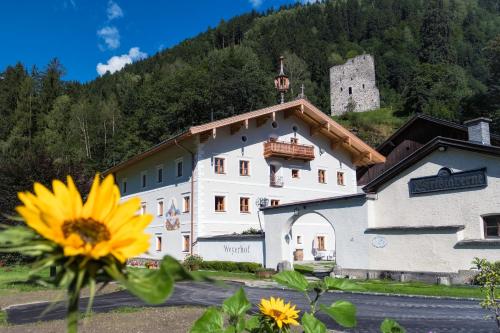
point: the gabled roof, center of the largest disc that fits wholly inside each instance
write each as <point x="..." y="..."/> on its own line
<point x="320" y="123"/>
<point x="437" y="121"/>
<point x="418" y="155"/>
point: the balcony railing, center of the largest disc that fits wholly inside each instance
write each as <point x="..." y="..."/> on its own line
<point x="276" y="181"/>
<point x="288" y="150"/>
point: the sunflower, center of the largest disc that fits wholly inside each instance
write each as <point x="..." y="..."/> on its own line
<point x="99" y="227"/>
<point x="281" y="313"/>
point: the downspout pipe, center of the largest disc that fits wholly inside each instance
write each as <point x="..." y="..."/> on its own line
<point x="191" y="237"/>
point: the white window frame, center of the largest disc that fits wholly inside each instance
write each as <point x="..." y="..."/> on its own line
<point x="158" y="201"/>
<point x="143" y="209"/>
<point x="158" y="243"/>
<point x="124" y="185"/>
<point x="344" y="176"/>
<point x="224" y="163"/>
<point x="177" y="162"/>
<point x="184" y="249"/>
<point x="225" y="203"/>
<point x="184" y="203"/>
<point x="158" y="168"/>
<point x="249" y="167"/>
<point x="249" y="204"/>
<point x="325" y="176"/>
<point x="144" y="184"/>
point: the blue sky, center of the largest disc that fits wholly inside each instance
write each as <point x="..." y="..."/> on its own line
<point x="86" y="33"/>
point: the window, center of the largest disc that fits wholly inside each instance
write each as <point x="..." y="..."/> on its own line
<point x="159" y="174"/>
<point x="340" y="178"/>
<point x="179" y="168"/>
<point x="350" y="90"/>
<point x="187" y="204"/>
<point x="294" y="141"/>
<point x="321" y="176"/>
<point x="219" y="165"/>
<point x="275" y="202"/>
<point x="220" y="203"/>
<point x="244" y="168"/>
<point x="491" y="226"/>
<point x="295" y="173"/>
<point x="144" y="179"/>
<point x="143" y="208"/>
<point x="158" y="243"/>
<point x="320" y="243"/>
<point x="299" y="239"/>
<point x="244" y="205"/>
<point x="124" y="186"/>
<point x="160" y="208"/>
<point x="185" y="243"/>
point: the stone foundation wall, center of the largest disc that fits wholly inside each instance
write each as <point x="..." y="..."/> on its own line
<point x="461" y="277"/>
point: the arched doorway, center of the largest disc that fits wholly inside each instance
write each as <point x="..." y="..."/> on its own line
<point x="312" y="238"/>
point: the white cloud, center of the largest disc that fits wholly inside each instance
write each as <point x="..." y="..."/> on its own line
<point x="114" y="11"/>
<point x="111" y="37"/>
<point x="116" y="63"/>
<point x="256" y="3"/>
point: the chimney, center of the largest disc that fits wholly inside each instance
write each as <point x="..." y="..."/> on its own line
<point x="479" y="130"/>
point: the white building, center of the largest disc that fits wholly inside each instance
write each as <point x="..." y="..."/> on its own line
<point x="430" y="213"/>
<point x="209" y="182"/>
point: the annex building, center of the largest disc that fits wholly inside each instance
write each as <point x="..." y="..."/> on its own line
<point x="429" y="210"/>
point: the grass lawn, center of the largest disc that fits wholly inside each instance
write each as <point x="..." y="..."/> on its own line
<point x="15" y="278"/>
<point x="221" y="275"/>
<point x="419" y="288"/>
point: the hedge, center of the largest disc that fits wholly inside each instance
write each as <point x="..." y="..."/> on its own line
<point x="230" y="266"/>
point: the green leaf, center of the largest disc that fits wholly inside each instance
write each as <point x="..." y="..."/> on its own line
<point x="237" y="304"/>
<point x="293" y="280"/>
<point x="312" y="325"/>
<point x="391" y="326"/>
<point x="343" y="312"/>
<point x="210" y="321"/>
<point x="341" y="284"/>
<point x="252" y="323"/>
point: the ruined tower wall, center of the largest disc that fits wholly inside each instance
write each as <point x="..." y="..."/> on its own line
<point x="354" y="80"/>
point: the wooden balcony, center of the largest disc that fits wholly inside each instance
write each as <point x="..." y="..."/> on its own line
<point x="288" y="150"/>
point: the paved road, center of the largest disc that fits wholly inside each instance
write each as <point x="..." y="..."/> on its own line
<point x="417" y="314"/>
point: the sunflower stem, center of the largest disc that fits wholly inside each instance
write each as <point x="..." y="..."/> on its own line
<point x="73" y="313"/>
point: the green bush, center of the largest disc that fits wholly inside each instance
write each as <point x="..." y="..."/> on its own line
<point x="193" y="262"/>
<point x="230" y="266"/>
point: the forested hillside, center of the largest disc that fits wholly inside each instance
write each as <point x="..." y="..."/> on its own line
<point x="440" y="57"/>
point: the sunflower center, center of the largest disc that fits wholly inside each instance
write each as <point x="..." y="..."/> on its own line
<point x="89" y="230"/>
<point x="276" y="313"/>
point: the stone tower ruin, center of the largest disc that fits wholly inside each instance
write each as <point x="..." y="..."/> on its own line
<point x="353" y="86"/>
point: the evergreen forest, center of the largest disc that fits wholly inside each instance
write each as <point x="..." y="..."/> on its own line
<point x="439" y="57"/>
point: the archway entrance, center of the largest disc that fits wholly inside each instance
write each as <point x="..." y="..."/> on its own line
<point x="312" y="239"/>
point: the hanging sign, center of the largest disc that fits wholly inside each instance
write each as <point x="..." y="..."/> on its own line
<point x="447" y="180"/>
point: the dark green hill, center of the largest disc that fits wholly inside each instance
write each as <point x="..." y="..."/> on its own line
<point x="434" y="56"/>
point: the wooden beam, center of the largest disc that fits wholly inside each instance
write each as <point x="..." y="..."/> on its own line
<point x="315" y="129"/>
<point x="246" y="123"/>
<point x="334" y="144"/>
<point x="360" y="157"/>
<point x="214" y="132"/>
<point x="236" y="127"/>
<point x="262" y="120"/>
<point x="289" y="113"/>
<point x="274" y="116"/>
<point x="302" y="108"/>
<point x="204" y="136"/>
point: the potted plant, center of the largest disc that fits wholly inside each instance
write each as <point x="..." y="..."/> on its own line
<point x="193" y="262"/>
<point x="264" y="273"/>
